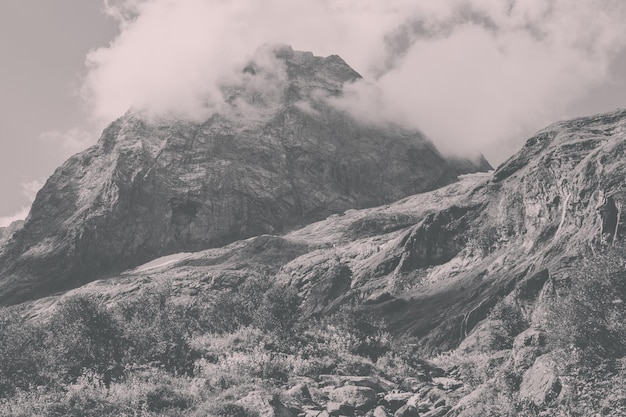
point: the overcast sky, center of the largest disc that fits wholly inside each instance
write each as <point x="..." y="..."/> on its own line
<point x="474" y="75"/>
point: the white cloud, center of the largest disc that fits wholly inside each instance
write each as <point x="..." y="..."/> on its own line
<point x="18" y="215"/>
<point x="470" y="73"/>
<point x="29" y="190"/>
<point x="73" y="140"/>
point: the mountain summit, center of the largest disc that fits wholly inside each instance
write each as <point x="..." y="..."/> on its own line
<point x="276" y="155"/>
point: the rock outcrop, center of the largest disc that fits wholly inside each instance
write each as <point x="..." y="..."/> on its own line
<point x="278" y="155"/>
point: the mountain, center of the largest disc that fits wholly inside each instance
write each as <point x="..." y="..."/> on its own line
<point x="323" y="258"/>
<point x="478" y="267"/>
<point x="434" y="264"/>
<point x="278" y="155"/>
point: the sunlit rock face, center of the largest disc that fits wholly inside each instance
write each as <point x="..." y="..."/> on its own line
<point x="275" y="156"/>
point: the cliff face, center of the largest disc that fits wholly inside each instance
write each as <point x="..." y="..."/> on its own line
<point x="276" y="156"/>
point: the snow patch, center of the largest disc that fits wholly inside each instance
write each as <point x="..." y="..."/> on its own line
<point x="162" y="261"/>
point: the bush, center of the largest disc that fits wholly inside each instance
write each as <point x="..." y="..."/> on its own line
<point x="260" y="303"/>
<point x="359" y="332"/>
<point x="164" y="397"/>
<point x="83" y="335"/>
<point x="278" y="311"/>
<point x="21" y="354"/>
<point x="158" y="332"/>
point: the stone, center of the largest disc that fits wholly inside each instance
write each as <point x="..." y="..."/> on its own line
<point x="299" y="392"/>
<point x="540" y="383"/>
<point x="411" y="384"/>
<point x="424" y="406"/>
<point x="266" y="405"/>
<point x="436" y="394"/>
<point x="380" y="412"/>
<point x="339" y="409"/>
<point x="361" y="398"/>
<point x="396" y="400"/>
<point x="376" y="383"/>
<point x="406" y="411"/>
<point x="438" y="412"/>
<point x="448" y="384"/>
<point x="527" y="346"/>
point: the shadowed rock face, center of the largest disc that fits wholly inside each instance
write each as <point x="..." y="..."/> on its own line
<point x="274" y="158"/>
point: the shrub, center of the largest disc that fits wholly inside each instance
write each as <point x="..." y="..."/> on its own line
<point x="83" y="335"/>
<point x="158" y="332"/>
<point x="260" y="303"/>
<point x="21" y="354"/>
<point x="359" y="332"/>
<point x="278" y="311"/>
<point x="164" y="397"/>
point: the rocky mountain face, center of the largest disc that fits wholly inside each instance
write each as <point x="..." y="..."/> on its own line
<point x="436" y="265"/>
<point x="276" y="156"/>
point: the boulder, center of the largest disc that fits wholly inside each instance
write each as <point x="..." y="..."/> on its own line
<point x="540" y="383"/>
<point x="380" y="412"/>
<point x="412" y="384"/>
<point x="438" y="412"/>
<point x="406" y="411"/>
<point x="339" y="409"/>
<point x="527" y="347"/>
<point x="361" y="398"/>
<point x="375" y="383"/>
<point x="266" y="405"/>
<point x="448" y="384"/>
<point x="395" y="400"/>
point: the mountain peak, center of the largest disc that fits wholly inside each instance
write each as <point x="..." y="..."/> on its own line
<point x="275" y="156"/>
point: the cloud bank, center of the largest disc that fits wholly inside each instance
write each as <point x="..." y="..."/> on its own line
<point x="471" y="74"/>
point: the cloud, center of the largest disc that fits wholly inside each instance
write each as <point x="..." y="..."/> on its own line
<point x="73" y="140"/>
<point x="171" y="57"/>
<point x="18" y="215"/>
<point x="29" y="189"/>
<point x="472" y="74"/>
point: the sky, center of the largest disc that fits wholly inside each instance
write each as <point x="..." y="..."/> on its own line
<point x="474" y="75"/>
